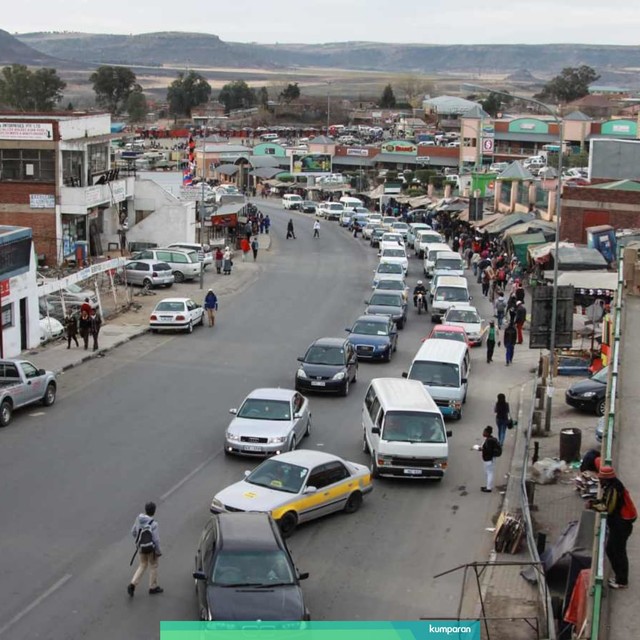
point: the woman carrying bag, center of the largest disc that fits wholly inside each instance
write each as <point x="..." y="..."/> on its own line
<point x="503" y="417"/>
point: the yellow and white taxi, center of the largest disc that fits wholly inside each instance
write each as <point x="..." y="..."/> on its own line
<point x="298" y="486"/>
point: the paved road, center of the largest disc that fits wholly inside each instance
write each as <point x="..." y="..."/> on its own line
<point x="146" y="422"/>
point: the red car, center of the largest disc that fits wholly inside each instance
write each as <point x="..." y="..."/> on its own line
<point x="448" y="332"/>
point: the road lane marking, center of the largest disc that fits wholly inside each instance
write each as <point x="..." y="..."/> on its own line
<point x="188" y="477"/>
<point x="37" y="414"/>
<point x="65" y="578"/>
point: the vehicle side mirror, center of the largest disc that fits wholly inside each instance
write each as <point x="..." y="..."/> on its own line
<point x="199" y="575"/>
<point x="470" y="297"/>
<point x="464" y="380"/>
<point x="303" y="576"/>
<point x="297" y="415"/>
<point x="449" y="433"/>
<point x="348" y="330"/>
<point x="42" y="372"/>
<point x="233" y="411"/>
<point x="375" y="430"/>
<point x="405" y="374"/>
<point x="310" y="490"/>
<point x="300" y="359"/>
<point x="246" y="473"/>
<point x="366" y="302"/>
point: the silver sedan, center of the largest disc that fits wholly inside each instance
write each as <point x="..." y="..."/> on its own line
<point x="269" y="422"/>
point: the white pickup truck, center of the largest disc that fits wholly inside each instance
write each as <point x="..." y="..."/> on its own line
<point x="22" y="384"/>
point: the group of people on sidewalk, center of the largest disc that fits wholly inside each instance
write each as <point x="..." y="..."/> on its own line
<point x="87" y="325"/>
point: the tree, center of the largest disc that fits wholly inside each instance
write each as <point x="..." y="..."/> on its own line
<point x="113" y="86"/>
<point x="414" y="88"/>
<point x="262" y="97"/>
<point x="237" y="95"/>
<point x="572" y="83"/>
<point x="137" y="106"/>
<point x="387" y="99"/>
<point x="26" y="90"/>
<point x="494" y="103"/>
<point x="290" y="93"/>
<point x="186" y="92"/>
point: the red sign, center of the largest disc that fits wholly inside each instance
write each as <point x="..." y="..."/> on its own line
<point x="5" y="289"/>
<point x="229" y="220"/>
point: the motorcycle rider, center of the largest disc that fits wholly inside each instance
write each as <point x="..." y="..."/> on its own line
<point x="419" y="288"/>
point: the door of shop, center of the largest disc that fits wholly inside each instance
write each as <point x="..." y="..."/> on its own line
<point x="23" y="324"/>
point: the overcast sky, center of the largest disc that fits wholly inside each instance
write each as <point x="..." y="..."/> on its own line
<point x="421" y="21"/>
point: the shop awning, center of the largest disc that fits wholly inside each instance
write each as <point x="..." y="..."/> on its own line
<point x="227" y="169"/>
<point x="500" y="226"/>
<point x="266" y="173"/>
<point x="586" y="280"/>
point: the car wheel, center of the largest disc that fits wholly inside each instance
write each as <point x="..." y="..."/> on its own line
<point x="387" y="358"/>
<point x="6" y="411"/>
<point x="168" y="286"/>
<point x="365" y="446"/>
<point x="292" y="444"/>
<point x="345" y="388"/>
<point x="395" y="345"/>
<point x="601" y="407"/>
<point x="147" y="283"/>
<point x="288" y="523"/>
<point x="49" y="395"/>
<point x="353" y="503"/>
<point x="355" y="375"/>
<point x="307" y="432"/>
<point x="178" y="276"/>
<point x="190" y="327"/>
<point x="375" y="472"/>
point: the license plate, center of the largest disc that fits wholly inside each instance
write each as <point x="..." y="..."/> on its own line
<point x="413" y="472"/>
<point x="252" y="448"/>
<point x="166" y="317"/>
<point x="317" y="383"/>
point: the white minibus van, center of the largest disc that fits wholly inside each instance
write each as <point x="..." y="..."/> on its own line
<point x="403" y="430"/>
<point x="449" y="290"/>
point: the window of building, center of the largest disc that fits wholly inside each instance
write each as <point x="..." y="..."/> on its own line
<point x="32" y="165"/>
<point x="7" y="316"/>
<point x="98" y="158"/>
<point x="72" y="168"/>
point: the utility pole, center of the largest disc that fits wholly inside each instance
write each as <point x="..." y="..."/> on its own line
<point x="201" y="212"/>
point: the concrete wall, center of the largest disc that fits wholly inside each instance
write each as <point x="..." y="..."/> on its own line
<point x="86" y="126"/>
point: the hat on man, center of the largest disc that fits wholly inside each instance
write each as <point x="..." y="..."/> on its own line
<point x="606" y="473"/>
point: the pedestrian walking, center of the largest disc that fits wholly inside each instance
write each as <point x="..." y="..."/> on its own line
<point x="85" y="327"/>
<point x="219" y="258"/>
<point x="520" y="318"/>
<point x="509" y="339"/>
<point x="500" y="309"/>
<point x="211" y="306"/>
<point x="245" y="247"/>
<point x="487" y="277"/>
<point x="290" y="231"/>
<point x="267" y="224"/>
<point x="95" y="323"/>
<point x="491" y="340"/>
<point x="145" y="533"/>
<point x="227" y="262"/>
<point x="255" y="245"/>
<point x="621" y="513"/>
<point x="316" y="229"/>
<point x="503" y="417"/>
<point x="248" y="230"/>
<point x="490" y="450"/>
<point x="86" y="306"/>
<point x="71" y="328"/>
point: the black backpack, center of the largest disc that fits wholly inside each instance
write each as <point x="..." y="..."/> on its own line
<point x="144" y="541"/>
<point x="497" y="449"/>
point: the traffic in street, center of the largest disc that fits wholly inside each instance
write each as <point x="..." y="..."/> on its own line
<point x="148" y="422"/>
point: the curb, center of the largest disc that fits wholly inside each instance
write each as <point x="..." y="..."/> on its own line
<point x="100" y="352"/>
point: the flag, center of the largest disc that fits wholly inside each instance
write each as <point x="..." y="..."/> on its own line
<point x="187" y="178"/>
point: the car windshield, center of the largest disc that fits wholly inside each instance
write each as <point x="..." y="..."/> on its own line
<point x="410" y="426"/>
<point x="601" y="376"/>
<point x="401" y="226"/>
<point x="369" y="328"/>
<point x="391" y="237"/>
<point x="443" y="334"/>
<point x="378" y="232"/>
<point x="449" y="263"/>
<point x="426" y="238"/>
<point x="436" y="374"/>
<point x="395" y="285"/>
<point x="325" y="355"/>
<point x="389" y="267"/>
<point x="257" y="409"/>
<point x="255" y="568"/>
<point x="386" y="300"/>
<point x="74" y="288"/>
<point x="452" y="294"/>
<point x="394" y="253"/>
<point x="280" y="476"/>
<point x="166" y="305"/>
<point x="433" y="254"/>
<point x="460" y="315"/>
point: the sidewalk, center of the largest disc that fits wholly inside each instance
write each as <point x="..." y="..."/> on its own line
<point x="127" y="325"/>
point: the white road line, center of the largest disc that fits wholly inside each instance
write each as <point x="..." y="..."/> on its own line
<point x="35" y="603"/>
<point x="188" y="477"/>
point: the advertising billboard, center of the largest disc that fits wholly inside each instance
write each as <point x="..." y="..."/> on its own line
<point x="311" y="164"/>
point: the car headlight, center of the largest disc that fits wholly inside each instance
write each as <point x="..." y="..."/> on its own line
<point x="277" y="440"/>
<point x="339" y="376"/>
<point x="301" y="373"/>
<point x="588" y="394"/>
<point x="232" y="437"/>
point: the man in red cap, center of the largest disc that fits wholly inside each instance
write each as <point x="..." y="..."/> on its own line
<point x="621" y="514"/>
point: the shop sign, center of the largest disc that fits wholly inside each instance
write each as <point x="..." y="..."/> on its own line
<point x="42" y="201"/>
<point x="118" y="191"/>
<point x="26" y="131"/>
<point x="399" y="147"/>
<point x="5" y="288"/>
<point x="360" y="153"/>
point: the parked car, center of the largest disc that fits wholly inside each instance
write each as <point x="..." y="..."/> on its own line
<point x="50" y="328"/>
<point x="308" y="206"/>
<point x="73" y="295"/>
<point x="204" y="251"/>
<point x="330" y="210"/>
<point x="373" y="337"/>
<point x="298" y="486"/>
<point x="388" y="303"/>
<point x="184" y="264"/>
<point x="589" y="394"/>
<point x="23" y="384"/>
<point x="467" y="317"/>
<point x="244" y="571"/>
<point x="268" y="422"/>
<point x="176" y="313"/>
<point x="147" y="273"/>
<point x="329" y="364"/>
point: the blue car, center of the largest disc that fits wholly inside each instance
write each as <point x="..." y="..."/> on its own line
<point x="374" y="337"/>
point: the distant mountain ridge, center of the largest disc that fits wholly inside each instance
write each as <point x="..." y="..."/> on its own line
<point x="13" y="51"/>
<point x="208" y="50"/>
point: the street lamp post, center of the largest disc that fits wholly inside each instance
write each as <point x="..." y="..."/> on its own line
<point x="558" y="206"/>
<point x="328" y="106"/>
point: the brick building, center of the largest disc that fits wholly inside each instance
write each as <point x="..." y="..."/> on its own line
<point x="56" y="178"/>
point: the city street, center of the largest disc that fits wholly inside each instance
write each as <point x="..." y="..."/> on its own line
<point x="147" y="421"/>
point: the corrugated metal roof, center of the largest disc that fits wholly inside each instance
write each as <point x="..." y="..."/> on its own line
<point x="515" y="171"/>
<point x="619" y="185"/>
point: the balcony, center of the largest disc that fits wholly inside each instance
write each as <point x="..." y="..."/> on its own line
<point x="78" y="200"/>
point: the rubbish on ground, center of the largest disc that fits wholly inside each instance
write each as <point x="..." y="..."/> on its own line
<point x="509" y="534"/>
<point x="548" y="470"/>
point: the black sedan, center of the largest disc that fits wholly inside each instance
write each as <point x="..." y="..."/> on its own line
<point x="330" y="364"/>
<point x="589" y="394"/>
<point x="244" y="571"/>
<point x="308" y="206"/>
<point x="374" y="337"/>
<point x="388" y="303"/>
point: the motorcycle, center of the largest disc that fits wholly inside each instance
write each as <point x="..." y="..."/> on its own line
<point x="421" y="302"/>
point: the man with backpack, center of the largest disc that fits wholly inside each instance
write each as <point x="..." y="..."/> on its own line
<point x="490" y="450"/>
<point x="621" y="514"/>
<point x="500" y="308"/>
<point x="145" y="533"/>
